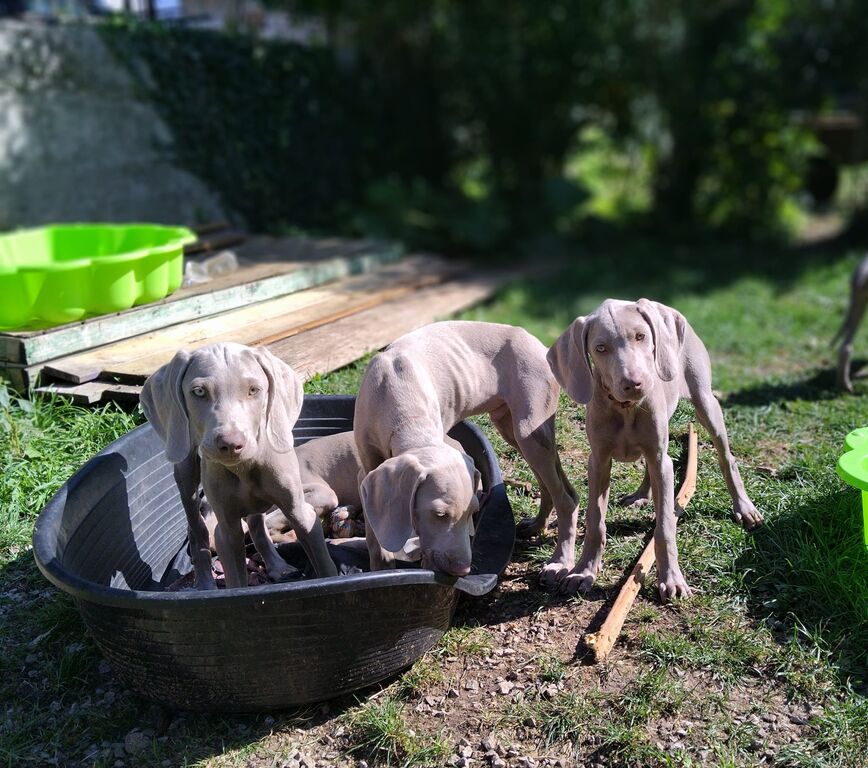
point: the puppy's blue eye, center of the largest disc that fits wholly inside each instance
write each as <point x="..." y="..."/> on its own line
<point x="254" y="390"/>
<point x="198" y="391"/>
<point x="640" y="336"/>
<point x="600" y="347"/>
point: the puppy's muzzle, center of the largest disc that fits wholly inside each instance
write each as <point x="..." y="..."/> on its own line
<point x="227" y="445"/>
<point x="438" y="561"/>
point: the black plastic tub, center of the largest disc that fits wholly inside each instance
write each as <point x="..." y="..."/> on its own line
<point x="115" y="535"/>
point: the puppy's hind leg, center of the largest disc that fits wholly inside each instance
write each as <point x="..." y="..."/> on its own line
<point x="640" y="497"/>
<point x="529" y="526"/>
<point x="540" y="452"/>
<point x="851" y="325"/>
<point x="710" y="415"/>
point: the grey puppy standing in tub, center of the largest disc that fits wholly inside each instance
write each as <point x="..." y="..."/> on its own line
<point x="631" y="362"/>
<point x="413" y="483"/>
<point x="226" y="413"/>
<point x="855" y="312"/>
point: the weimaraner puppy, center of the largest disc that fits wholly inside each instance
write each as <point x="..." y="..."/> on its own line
<point x="329" y="467"/>
<point x="225" y="413"/>
<point x="631" y="362"/>
<point x="855" y="312"/>
<point x="413" y="483"/>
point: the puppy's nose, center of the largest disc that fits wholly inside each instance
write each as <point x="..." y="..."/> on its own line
<point x="631" y="385"/>
<point x="230" y="443"/>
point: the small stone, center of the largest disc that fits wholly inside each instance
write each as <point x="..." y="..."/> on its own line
<point x="770" y="717"/>
<point x="463" y="742"/>
<point x="471" y="685"/>
<point x="453" y="693"/>
<point x="505" y="687"/>
<point x="498" y="762"/>
<point x="489" y="744"/>
<point x="798" y="719"/>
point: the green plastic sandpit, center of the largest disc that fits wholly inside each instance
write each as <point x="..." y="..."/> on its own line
<point x="58" y="274"/>
<point x="853" y="468"/>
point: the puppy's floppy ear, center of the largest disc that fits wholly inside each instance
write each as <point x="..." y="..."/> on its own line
<point x="475" y="474"/>
<point x="667" y="331"/>
<point x="568" y="359"/>
<point x="285" y="396"/>
<point x="164" y="406"/>
<point x="476" y="480"/>
<point x="388" y="496"/>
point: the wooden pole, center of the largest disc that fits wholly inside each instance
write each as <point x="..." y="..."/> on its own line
<point x="602" y="641"/>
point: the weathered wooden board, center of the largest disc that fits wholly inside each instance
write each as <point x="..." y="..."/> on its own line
<point x="332" y="345"/>
<point x="317" y="263"/>
<point x="94" y="392"/>
<point x="133" y="360"/>
<point x="340" y="343"/>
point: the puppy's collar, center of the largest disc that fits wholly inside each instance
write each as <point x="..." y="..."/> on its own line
<point x="625" y="404"/>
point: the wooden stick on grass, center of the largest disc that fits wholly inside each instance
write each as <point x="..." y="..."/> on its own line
<point x="602" y="641"/>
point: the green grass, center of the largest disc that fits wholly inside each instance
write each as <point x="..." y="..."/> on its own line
<point x="785" y="607"/>
<point x="379" y="730"/>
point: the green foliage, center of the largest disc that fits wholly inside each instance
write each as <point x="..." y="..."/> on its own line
<point x="380" y="730"/>
<point x="42" y="442"/>
<point x="463" y="125"/>
<point x="271" y="126"/>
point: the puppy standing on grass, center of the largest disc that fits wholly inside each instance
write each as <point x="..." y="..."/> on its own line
<point x="413" y="483"/>
<point x="226" y="413"/>
<point x="631" y="362"/>
<point x="855" y="312"/>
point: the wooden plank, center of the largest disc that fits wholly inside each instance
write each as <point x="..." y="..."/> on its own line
<point x="340" y="343"/>
<point x="210" y="227"/>
<point x="134" y="359"/>
<point x="17" y="376"/>
<point x="215" y="241"/>
<point x="252" y="284"/>
<point x="335" y="344"/>
<point x="94" y="392"/>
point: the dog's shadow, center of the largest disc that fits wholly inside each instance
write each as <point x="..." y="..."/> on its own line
<point x="822" y="385"/>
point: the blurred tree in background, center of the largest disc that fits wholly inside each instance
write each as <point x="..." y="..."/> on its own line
<point x="465" y="124"/>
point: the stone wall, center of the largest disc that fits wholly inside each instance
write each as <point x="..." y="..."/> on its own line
<point x="77" y="143"/>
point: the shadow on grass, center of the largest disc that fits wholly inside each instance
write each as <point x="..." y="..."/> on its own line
<point x="611" y="261"/>
<point x="808" y="566"/>
<point x="819" y="386"/>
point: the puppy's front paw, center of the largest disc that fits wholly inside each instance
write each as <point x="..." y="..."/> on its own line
<point x="747" y="515"/>
<point x="552" y="574"/>
<point x="529" y="527"/>
<point x="672" y="584"/>
<point x="578" y="581"/>
<point x="635" y="500"/>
